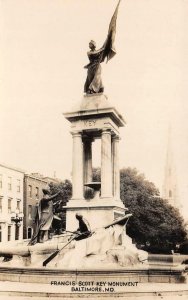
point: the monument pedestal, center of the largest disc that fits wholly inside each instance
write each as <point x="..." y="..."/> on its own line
<point x="99" y="213"/>
<point x="95" y="118"/>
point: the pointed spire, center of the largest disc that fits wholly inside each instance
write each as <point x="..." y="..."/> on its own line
<point x="170" y="178"/>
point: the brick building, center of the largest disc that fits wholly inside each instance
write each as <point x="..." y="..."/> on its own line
<point x="33" y="185"/>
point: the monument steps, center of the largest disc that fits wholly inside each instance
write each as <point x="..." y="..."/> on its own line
<point x="140" y="274"/>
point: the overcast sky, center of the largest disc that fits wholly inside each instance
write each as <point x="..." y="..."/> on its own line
<point x="43" y="51"/>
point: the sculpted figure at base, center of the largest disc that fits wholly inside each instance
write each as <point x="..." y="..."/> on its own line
<point x="44" y="217"/>
<point x="93" y="82"/>
<point x="84" y="228"/>
<point x="108" y="246"/>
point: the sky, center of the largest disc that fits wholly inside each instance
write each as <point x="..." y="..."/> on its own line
<point x="43" y="48"/>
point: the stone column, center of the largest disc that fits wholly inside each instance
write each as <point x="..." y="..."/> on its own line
<point x="88" y="174"/>
<point x="77" y="166"/>
<point x="87" y="144"/>
<point x="106" y="164"/>
<point x="115" y="167"/>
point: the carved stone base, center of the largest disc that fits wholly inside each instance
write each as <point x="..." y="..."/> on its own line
<point x="98" y="213"/>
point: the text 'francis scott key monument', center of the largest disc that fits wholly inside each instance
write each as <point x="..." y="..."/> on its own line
<point x="94" y="118"/>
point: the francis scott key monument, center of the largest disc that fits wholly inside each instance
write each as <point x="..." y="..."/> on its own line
<point x="94" y="247"/>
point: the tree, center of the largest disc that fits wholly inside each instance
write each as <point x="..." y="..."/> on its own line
<point x="66" y="193"/>
<point x="96" y="174"/>
<point x="155" y="224"/>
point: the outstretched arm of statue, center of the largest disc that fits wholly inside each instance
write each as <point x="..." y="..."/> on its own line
<point x="53" y="196"/>
<point x="94" y="57"/>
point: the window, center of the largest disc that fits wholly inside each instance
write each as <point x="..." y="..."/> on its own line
<point x="18" y="202"/>
<point x="1" y="181"/>
<point x="170" y="193"/>
<point x="9" y="205"/>
<point x="9" y="183"/>
<point x="9" y="233"/>
<point x="29" y="232"/>
<point x="1" y="204"/>
<point x="37" y="192"/>
<point x="30" y="212"/>
<point x="18" y="186"/>
<point x="30" y="190"/>
<point x="0" y="233"/>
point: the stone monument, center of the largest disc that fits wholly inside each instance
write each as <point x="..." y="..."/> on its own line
<point x="95" y="118"/>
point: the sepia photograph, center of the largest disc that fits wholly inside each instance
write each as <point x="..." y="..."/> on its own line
<point x="94" y="149"/>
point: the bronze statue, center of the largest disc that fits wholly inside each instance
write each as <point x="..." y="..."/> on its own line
<point x="84" y="229"/>
<point x="44" y="217"/>
<point x="93" y="82"/>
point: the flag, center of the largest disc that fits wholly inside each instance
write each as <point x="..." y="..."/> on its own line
<point x="109" y="49"/>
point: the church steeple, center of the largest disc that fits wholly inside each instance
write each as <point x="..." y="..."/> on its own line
<point x="170" y="176"/>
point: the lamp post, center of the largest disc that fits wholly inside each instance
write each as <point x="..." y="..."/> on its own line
<point x="17" y="218"/>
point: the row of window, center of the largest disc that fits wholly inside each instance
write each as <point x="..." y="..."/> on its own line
<point x="17" y="233"/>
<point x="18" y="204"/>
<point x="31" y="209"/>
<point x="18" y="183"/>
<point x="18" y="186"/>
